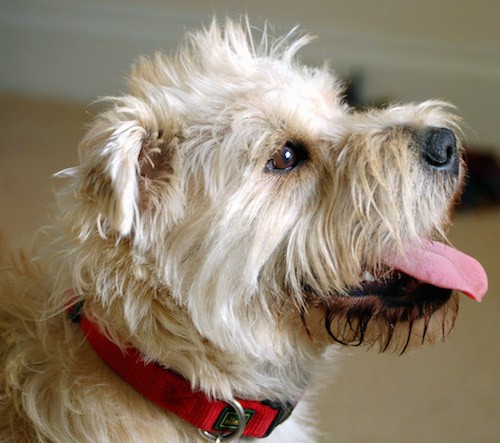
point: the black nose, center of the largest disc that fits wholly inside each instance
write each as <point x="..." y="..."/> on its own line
<point x="439" y="148"/>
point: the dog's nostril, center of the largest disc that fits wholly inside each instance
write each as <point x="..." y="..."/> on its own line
<point x="439" y="148"/>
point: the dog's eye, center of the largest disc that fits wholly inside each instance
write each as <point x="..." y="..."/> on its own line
<point x="287" y="157"/>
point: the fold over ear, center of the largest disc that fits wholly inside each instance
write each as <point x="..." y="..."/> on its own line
<point x="119" y="202"/>
<point x="115" y="156"/>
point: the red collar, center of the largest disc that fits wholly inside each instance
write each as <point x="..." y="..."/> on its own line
<point x="173" y="393"/>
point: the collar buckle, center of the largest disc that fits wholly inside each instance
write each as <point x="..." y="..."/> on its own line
<point x="241" y="423"/>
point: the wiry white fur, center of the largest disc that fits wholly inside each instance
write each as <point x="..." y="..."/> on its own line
<point x="183" y="244"/>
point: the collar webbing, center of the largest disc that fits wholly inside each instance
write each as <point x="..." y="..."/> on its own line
<point x="174" y="393"/>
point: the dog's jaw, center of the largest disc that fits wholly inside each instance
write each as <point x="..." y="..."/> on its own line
<point x="374" y="310"/>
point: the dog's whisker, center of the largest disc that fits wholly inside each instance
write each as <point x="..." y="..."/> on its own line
<point x="303" y="319"/>
<point x="390" y="328"/>
<point x="408" y="339"/>
<point x="363" y="325"/>
<point x="427" y="319"/>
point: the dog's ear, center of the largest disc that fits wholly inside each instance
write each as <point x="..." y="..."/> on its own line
<point x="127" y="156"/>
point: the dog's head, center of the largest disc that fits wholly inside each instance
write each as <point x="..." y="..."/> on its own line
<point x="235" y="184"/>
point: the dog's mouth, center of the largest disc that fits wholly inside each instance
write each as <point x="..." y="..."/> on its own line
<point x="442" y="266"/>
<point x="399" y="290"/>
<point x="409" y="290"/>
<point x="428" y="264"/>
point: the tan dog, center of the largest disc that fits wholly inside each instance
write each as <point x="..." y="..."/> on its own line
<point x="230" y="221"/>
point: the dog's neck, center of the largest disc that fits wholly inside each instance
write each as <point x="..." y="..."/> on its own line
<point x="174" y="393"/>
<point x="169" y="336"/>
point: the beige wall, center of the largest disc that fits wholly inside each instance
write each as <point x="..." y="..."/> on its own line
<point x="449" y="49"/>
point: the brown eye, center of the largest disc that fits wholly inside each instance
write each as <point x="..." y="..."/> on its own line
<point x="287" y="157"/>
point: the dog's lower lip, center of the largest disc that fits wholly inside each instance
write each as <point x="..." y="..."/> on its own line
<point x="400" y="290"/>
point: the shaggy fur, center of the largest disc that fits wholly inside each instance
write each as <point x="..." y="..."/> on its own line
<point x="189" y="240"/>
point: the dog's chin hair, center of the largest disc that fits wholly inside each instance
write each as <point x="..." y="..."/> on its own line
<point x="394" y="331"/>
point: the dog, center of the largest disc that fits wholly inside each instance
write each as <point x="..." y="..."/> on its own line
<point x="231" y="224"/>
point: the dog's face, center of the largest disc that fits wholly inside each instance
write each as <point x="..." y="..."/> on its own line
<point x="236" y="182"/>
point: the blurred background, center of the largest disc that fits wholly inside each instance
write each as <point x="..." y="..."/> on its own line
<point x="58" y="56"/>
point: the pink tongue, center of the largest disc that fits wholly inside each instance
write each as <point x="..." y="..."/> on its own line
<point x="442" y="266"/>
